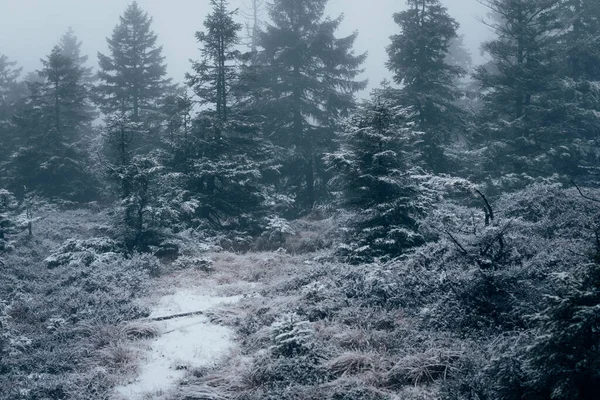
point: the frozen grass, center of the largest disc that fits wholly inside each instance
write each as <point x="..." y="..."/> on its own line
<point x="344" y="341"/>
<point x="187" y="343"/>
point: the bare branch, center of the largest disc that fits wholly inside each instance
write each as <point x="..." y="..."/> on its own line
<point x="457" y="243"/>
<point x="489" y="213"/>
<point x="583" y="195"/>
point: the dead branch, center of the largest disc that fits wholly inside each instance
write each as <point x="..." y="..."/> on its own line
<point x="499" y="237"/>
<point x="457" y="243"/>
<point x="174" y="316"/>
<point x="489" y="212"/>
<point x="583" y="195"/>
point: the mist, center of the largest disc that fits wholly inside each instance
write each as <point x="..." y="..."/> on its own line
<point x="30" y="28"/>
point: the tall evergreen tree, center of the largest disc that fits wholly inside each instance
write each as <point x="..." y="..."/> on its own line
<point x="71" y="47"/>
<point x="518" y="119"/>
<point x="133" y="74"/>
<point x="213" y="75"/>
<point x="65" y="95"/>
<point x="11" y="93"/>
<point x="578" y="102"/>
<point x="418" y="57"/>
<point x="53" y="120"/>
<point x="307" y="82"/>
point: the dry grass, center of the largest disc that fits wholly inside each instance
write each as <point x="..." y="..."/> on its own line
<point x="117" y="357"/>
<point x="199" y="391"/>
<point x="422" y="368"/>
<point x="352" y="363"/>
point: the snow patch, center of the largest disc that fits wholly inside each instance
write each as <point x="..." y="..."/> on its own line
<point x="187" y="342"/>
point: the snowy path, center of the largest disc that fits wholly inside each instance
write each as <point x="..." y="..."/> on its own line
<point x="186" y="342"/>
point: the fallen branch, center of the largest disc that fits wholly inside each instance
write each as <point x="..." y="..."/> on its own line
<point x="174" y="316"/>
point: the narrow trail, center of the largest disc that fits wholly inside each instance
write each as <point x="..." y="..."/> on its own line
<point x="186" y="337"/>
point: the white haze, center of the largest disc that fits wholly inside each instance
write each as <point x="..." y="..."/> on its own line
<point x="30" y="28"/>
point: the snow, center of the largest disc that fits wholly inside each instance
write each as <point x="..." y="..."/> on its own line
<point x="187" y="342"/>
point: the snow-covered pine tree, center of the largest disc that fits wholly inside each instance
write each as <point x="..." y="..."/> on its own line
<point x="577" y="102"/>
<point x="378" y="156"/>
<point x="218" y="159"/>
<point x="8" y="218"/>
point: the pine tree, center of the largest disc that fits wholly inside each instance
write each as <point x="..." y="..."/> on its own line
<point x="65" y="96"/>
<point x="563" y="362"/>
<point x="71" y="47"/>
<point x="9" y="208"/>
<point x="518" y="119"/>
<point x="306" y="83"/>
<point x="578" y="103"/>
<point x="418" y="57"/>
<point x="374" y="166"/>
<point x="11" y="94"/>
<point x="133" y="74"/>
<point x="56" y="114"/>
<point x="213" y="76"/>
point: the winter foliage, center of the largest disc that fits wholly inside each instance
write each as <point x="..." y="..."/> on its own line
<point x="439" y="239"/>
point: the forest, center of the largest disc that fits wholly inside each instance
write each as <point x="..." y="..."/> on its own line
<point x="439" y="239"/>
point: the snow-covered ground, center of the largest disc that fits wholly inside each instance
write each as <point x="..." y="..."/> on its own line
<point x="185" y="342"/>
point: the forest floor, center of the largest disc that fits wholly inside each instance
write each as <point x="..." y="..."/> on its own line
<point x="186" y="338"/>
<point x="185" y="309"/>
<point x="83" y="322"/>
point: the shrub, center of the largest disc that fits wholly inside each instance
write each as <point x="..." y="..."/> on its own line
<point x="291" y="336"/>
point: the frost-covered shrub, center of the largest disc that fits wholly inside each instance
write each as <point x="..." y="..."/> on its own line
<point x="200" y="263"/>
<point x="291" y="336"/>
<point x="561" y="360"/>
<point x="277" y="372"/>
<point x="275" y="233"/>
<point x="353" y="390"/>
<point x="423" y="368"/>
<point x="81" y="252"/>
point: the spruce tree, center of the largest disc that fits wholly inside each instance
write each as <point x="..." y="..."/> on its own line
<point x="52" y="121"/>
<point x="307" y="82"/>
<point x="577" y="104"/>
<point x="563" y="362"/>
<point x="213" y="75"/>
<point x="71" y="47"/>
<point x="65" y="96"/>
<point x="11" y="93"/>
<point x="132" y="76"/>
<point x="373" y="167"/>
<point x="418" y="57"/>
<point x="518" y="120"/>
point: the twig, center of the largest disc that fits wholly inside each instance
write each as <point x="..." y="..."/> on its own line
<point x="499" y="238"/>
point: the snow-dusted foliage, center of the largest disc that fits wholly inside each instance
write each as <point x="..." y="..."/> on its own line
<point x="8" y="218"/>
<point x="291" y="336"/>
<point x="375" y="169"/>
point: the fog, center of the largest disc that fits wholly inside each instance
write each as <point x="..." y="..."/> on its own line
<point x="30" y="28"/>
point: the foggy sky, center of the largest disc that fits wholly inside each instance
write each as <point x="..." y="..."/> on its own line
<point x="30" y="28"/>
